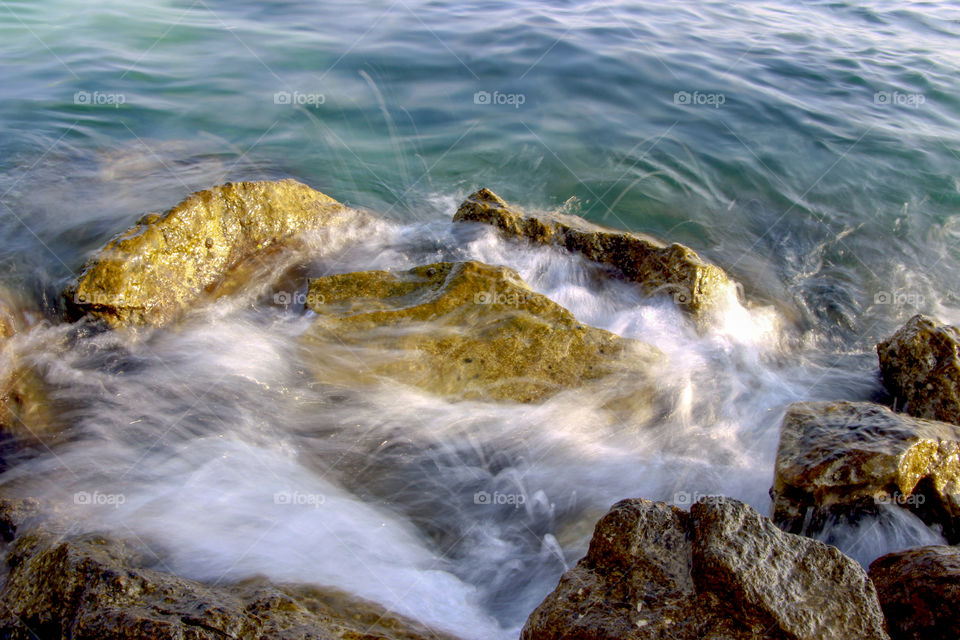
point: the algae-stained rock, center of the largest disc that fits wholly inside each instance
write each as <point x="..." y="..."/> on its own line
<point x="674" y="270"/>
<point x="149" y="273"/>
<point x="919" y="590"/>
<point x="94" y="588"/>
<point x="839" y="459"/>
<point x="720" y="571"/>
<point x="26" y="418"/>
<point x="25" y="415"/>
<point x="921" y="369"/>
<point x="463" y="330"/>
<point x="13" y="313"/>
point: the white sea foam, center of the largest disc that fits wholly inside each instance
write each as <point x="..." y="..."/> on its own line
<point x="233" y="460"/>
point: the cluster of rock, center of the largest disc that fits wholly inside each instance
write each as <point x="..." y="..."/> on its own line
<point x="151" y="272"/>
<point x="467" y="331"/>
<point x="839" y="461"/>
<point x="724" y="571"/>
<point x="461" y="330"/>
<point x="490" y="336"/>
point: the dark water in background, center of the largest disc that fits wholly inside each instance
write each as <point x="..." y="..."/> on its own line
<point x="811" y="150"/>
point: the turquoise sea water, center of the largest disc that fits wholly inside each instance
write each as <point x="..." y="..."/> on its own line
<point x="811" y="149"/>
<point x="828" y="174"/>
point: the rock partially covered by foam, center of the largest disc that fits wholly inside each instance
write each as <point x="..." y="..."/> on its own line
<point x="720" y="571"/>
<point x="151" y="272"/>
<point x="465" y="330"/>
<point x="842" y="459"/>
<point x="673" y="270"/>
<point x="94" y="588"/>
<point x="26" y="421"/>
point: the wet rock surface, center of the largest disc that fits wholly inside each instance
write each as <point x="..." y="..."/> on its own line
<point x="151" y="272"/>
<point x="919" y="590"/>
<point x="920" y="365"/>
<point x="464" y="330"/>
<point x="720" y="571"/>
<point x="842" y="459"/>
<point x="26" y="419"/>
<point x="673" y="270"/>
<point x="94" y="588"/>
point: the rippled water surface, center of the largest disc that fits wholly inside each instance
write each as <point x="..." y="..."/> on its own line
<point x="812" y="150"/>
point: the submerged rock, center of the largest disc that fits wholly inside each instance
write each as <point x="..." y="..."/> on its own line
<point x="96" y="588"/>
<point x="463" y="330"/>
<point x="149" y="273"/>
<point x="841" y="459"/>
<point x="720" y="571"/>
<point x="26" y="419"/>
<point x="919" y="590"/>
<point x="673" y="270"/>
<point x="25" y="416"/>
<point x="8" y="323"/>
<point x="921" y="369"/>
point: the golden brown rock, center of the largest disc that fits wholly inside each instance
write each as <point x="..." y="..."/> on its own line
<point x="96" y="588"/>
<point x="919" y="590"/>
<point x="660" y="269"/>
<point x="921" y="369"/>
<point x="720" y="571"/>
<point x="462" y="330"/>
<point x="149" y="273"/>
<point x="26" y="419"/>
<point x="837" y="459"/>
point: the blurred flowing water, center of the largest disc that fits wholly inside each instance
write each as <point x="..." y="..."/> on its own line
<point x="811" y="150"/>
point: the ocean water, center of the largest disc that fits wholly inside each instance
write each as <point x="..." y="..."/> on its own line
<point x="812" y="150"/>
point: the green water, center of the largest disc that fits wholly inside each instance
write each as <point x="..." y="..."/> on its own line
<point x="802" y="150"/>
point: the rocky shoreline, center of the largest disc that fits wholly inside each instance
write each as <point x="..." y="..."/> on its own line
<point x="474" y="331"/>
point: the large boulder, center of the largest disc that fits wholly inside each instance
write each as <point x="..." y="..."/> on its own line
<point x="919" y="590"/>
<point x="673" y="270"/>
<point x="720" y="571"/>
<point x="839" y="460"/>
<point x="921" y="369"/>
<point x="149" y="273"/>
<point x="464" y="330"/>
<point x="97" y="588"/>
